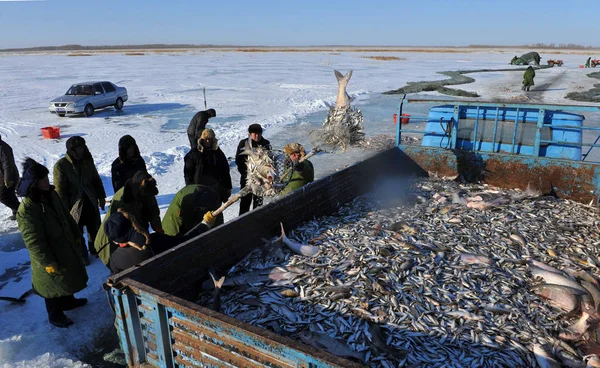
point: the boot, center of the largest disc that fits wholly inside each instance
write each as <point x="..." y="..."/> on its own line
<point x="86" y="259"/>
<point x="92" y="250"/>
<point x="73" y="303"/>
<point x="60" y="320"/>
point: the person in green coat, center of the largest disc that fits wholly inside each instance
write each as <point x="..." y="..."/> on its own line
<point x="188" y="208"/>
<point x="53" y="240"/>
<point x="298" y="171"/>
<point x="138" y="198"/>
<point x="528" y="78"/>
<point x="588" y="61"/>
<point x="80" y="187"/>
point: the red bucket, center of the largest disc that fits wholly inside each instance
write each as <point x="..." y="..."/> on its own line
<point x="51" y="132"/>
<point x="405" y="118"/>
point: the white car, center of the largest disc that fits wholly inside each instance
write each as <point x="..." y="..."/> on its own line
<point x="84" y="98"/>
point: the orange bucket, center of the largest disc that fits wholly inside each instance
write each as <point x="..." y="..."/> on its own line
<point x="581" y="66"/>
<point x="405" y="118"/>
<point x="395" y="118"/>
<point x="51" y="132"/>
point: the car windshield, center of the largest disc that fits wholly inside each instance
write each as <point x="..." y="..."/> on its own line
<point x="80" y="89"/>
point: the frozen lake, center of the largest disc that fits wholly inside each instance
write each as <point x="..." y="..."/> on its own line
<point x="288" y="93"/>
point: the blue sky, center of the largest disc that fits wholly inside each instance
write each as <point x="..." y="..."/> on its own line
<point x="297" y="23"/>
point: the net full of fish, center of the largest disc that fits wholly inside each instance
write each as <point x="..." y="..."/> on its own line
<point x="440" y="274"/>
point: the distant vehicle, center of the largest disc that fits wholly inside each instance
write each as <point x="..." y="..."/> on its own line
<point x="553" y="62"/>
<point x="595" y="62"/>
<point x="84" y="98"/>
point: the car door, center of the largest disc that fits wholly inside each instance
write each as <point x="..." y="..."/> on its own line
<point x="99" y="96"/>
<point x="110" y="92"/>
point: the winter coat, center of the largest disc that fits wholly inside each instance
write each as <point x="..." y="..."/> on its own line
<point x="528" y="77"/>
<point x="209" y="167"/>
<point x="302" y="174"/>
<point x="124" y="168"/>
<point x="144" y="209"/>
<point x="9" y="174"/>
<point x="51" y="236"/>
<point x="75" y="180"/>
<point x="188" y="208"/>
<point x="240" y="159"/>
<point x="197" y="125"/>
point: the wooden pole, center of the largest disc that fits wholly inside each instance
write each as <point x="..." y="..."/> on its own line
<point x="232" y="200"/>
<point x="204" y="92"/>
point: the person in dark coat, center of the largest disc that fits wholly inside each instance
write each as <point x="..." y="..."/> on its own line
<point x="9" y="176"/>
<point x="208" y="165"/>
<point x="256" y="140"/>
<point x="135" y="245"/>
<point x="588" y="61"/>
<point x="80" y="187"/>
<point x="128" y="163"/>
<point x="137" y="197"/>
<point x="197" y="125"/>
<point x="188" y="208"/>
<point x="528" y="78"/>
<point x="53" y="240"/>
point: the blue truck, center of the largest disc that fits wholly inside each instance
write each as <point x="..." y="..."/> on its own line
<point x="505" y="145"/>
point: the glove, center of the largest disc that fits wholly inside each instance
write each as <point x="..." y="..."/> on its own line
<point x="52" y="269"/>
<point x="208" y="219"/>
<point x="9" y="184"/>
<point x="102" y="203"/>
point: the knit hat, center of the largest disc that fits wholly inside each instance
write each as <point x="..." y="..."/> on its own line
<point x="32" y="173"/>
<point x="255" y="128"/>
<point x="293" y="148"/>
<point x="119" y="229"/>
<point x="73" y="143"/>
<point x="206" y="134"/>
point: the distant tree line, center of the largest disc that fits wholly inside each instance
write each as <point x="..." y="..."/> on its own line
<point x="540" y="45"/>
<point x="112" y="47"/>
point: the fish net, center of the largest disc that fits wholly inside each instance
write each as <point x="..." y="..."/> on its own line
<point x="342" y="128"/>
<point x="267" y="172"/>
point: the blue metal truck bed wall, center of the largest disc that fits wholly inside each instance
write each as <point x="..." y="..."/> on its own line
<point x="157" y="324"/>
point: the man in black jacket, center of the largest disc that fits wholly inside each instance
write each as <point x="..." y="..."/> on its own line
<point x="9" y="177"/>
<point x="257" y="140"/>
<point x="127" y="164"/>
<point x="197" y="125"/>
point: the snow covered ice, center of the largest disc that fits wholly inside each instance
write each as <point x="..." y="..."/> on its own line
<point x="288" y="93"/>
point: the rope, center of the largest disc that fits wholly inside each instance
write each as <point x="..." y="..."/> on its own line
<point x="447" y="132"/>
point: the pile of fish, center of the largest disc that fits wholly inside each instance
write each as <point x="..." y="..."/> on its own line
<point x="440" y="274"/>
<point x="342" y="127"/>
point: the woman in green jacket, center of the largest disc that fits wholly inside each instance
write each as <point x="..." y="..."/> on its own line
<point x="138" y="198"/>
<point x="528" y="78"/>
<point x="53" y="240"/>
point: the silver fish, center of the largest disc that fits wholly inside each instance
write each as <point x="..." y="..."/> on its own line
<point x="334" y="346"/>
<point x="217" y="292"/>
<point x="305" y="250"/>
<point x="543" y="358"/>
<point x="343" y="100"/>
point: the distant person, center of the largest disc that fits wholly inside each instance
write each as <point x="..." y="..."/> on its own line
<point x="188" y="208"/>
<point x="257" y="140"/>
<point x="137" y="197"/>
<point x="587" y="63"/>
<point x="298" y="172"/>
<point x="80" y="187"/>
<point x="53" y="240"/>
<point x="127" y="164"/>
<point x="528" y="78"/>
<point x="9" y="176"/>
<point x="197" y="125"/>
<point x="514" y="60"/>
<point x="134" y="245"/>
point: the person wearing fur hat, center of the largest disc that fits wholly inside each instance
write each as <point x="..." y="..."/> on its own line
<point x="298" y="171"/>
<point x="137" y="197"/>
<point x="197" y="125"/>
<point x="53" y="240"/>
<point x="80" y="187"/>
<point x="127" y="164"/>
<point x="208" y="165"/>
<point x="9" y="176"/>
<point x="135" y="245"/>
<point x="256" y="140"/>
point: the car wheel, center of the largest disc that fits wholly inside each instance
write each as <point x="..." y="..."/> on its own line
<point x="89" y="110"/>
<point x="119" y="103"/>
